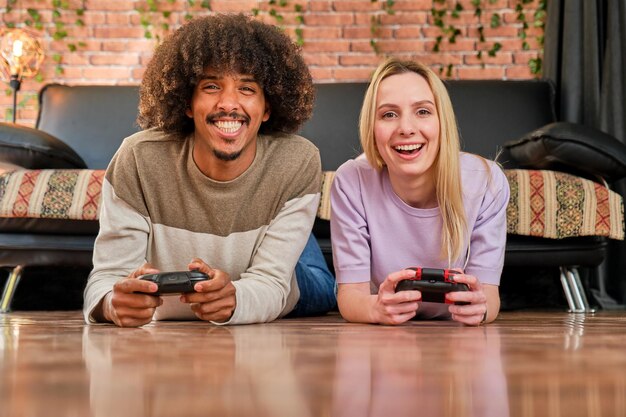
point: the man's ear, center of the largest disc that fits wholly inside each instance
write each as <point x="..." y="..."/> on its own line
<point x="189" y="112"/>
<point x="266" y="115"/>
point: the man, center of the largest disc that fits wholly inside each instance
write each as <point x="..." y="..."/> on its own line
<point x="216" y="182"/>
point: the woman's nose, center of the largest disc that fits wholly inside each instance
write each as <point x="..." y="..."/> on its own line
<point x="407" y="127"/>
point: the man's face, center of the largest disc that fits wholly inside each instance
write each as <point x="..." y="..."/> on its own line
<point x="227" y="110"/>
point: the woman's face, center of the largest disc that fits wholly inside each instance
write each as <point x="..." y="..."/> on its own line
<point x="406" y="125"/>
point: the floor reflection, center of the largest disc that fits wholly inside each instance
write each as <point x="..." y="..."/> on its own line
<point x="530" y="364"/>
<point x="400" y="374"/>
<point x="270" y="370"/>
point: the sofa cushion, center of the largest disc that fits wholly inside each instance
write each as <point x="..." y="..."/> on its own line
<point x="571" y="146"/>
<point x="543" y="203"/>
<point x="546" y="204"/>
<point x="557" y="205"/>
<point x="63" y="201"/>
<point x="34" y="149"/>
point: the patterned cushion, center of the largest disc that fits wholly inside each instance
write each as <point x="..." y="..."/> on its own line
<point x="543" y="203"/>
<point x="51" y="194"/>
<point x="557" y="205"/>
<point x="547" y="204"/>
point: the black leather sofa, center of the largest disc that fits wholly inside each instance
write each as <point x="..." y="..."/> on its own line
<point x="80" y="127"/>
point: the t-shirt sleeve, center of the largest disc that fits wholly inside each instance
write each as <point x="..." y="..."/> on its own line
<point x="488" y="236"/>
<point x="349" y="228"/>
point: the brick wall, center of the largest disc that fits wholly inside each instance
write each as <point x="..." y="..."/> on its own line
<point x="112" y="47"/>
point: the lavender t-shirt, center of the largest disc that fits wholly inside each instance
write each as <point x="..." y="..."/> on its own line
<point x="374" y="233"/>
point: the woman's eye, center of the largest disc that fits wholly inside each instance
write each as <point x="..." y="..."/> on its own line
<point x="388" y="115"/>
<point x="423" y="112"/>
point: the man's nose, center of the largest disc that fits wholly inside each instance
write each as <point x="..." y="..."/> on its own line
<point x="228" y="100"/>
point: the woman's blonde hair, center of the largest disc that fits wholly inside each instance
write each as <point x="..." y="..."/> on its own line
<point x="446" y="165"/>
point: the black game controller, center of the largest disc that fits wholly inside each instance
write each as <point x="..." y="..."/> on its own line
<point x="174" y="282"/>
<point x="433" y="284"/>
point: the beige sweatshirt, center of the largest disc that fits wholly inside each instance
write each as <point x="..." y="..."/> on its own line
<point x="158" y="207"/>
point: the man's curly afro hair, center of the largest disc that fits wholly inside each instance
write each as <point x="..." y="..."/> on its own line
<point x="226" y="44"/>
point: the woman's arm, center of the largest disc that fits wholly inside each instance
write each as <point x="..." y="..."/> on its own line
<point x="484" y="301"/>
<point x="357" y="304"/>
<point x="493" y="302"/>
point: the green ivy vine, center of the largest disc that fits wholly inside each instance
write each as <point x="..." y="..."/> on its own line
<point x="275" y="8"/>
<point x="376" y="23"/>
<point x="444" y="16"/>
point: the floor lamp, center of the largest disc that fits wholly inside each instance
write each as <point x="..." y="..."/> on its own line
<point x="20" y="56"/>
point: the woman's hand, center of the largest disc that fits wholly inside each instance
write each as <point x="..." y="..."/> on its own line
<point x="391" y="307"/>
<point x="472" y="314"/>
<point x="125" y="307"/>
<point x="214" y="299"/>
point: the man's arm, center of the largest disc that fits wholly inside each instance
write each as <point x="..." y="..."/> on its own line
<point x="119" y="249"/>
<point x="265" y="290"/>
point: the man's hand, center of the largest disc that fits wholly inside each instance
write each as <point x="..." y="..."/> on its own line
<point x="214" y="299"/>
<point x="124" y="307"/>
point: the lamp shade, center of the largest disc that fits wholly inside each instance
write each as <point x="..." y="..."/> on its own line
<point x="20" y="54"/>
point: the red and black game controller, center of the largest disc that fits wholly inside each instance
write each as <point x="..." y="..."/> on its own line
<point x="433" y="283"/>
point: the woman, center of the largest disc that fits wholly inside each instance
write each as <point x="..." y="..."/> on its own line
<point x="415" y="200"/>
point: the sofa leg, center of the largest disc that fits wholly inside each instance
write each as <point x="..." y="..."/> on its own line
<point x="9" y="289"/>
<point x="574" y="291"/>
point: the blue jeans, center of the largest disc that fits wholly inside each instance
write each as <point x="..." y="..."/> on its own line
<point x="316" y="283"/>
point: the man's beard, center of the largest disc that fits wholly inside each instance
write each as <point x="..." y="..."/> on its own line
<point x="223" y="156"/>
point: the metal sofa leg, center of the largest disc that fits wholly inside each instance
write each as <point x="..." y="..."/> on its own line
<point x="9" y="289"/>
<point x="573" y="307"/>
<point x="574" y="291"/>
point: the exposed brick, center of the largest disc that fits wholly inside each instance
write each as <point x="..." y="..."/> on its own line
<point x="395" y="45"/>
<point x="118" y="32"/>
<point x="481" y="73"/>
<point x="366" y="33"/>
<point x="320" y="5"/>
<point x="233" y="5"/>
<point x="331" y="19"/>
<point x="519" y="72"/>
<point x="97" y="74"/>
<point x="326" y="46"/>
<point x="363" y="59"/>
<point x="356" y="6"/>
<point x="501" y="58"/>
<point x="322" y="74"/>
<point x="409" y="5"/>
<point x="321" y="60"/>
<point x="348" y="74"/>
<point x="118" y="59"/>
<point x="337" y="37"/>
<point x="321" y="32"/>
<point x="408" y="32"/>
<point x="120" y="5"/>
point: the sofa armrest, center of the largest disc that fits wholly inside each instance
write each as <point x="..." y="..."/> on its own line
<point x="35" y="149"/>
<point x="571" y="147"/>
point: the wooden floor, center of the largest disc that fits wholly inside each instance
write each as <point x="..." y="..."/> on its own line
<point x="525" y="364"/>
